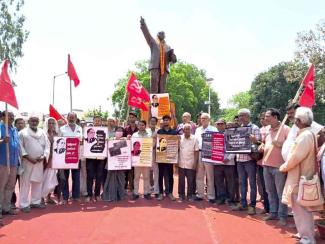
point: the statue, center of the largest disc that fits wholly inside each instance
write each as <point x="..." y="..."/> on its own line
<point x="161" y="56"/>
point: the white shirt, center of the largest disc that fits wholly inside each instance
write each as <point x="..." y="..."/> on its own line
<point x="186" y="152"/>
<point x="199" y="131"/>
<point x="66" y="131"/>
<point x="315" y="128"/>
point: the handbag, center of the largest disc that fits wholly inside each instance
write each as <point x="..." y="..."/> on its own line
<point x="257" y="151"/>
<point x="309" y="191"/>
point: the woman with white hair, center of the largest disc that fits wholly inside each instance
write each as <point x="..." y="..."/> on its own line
<point x="50" y="180"/>
<point x="301" y="161"/>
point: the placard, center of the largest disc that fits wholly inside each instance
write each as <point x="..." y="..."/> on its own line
<point x="119" y="155"/>
<point x="95" y="144"/>
<point x="213" y="147"/>
<point x="167" y="149"/>
<point x="159" y="105"/>
<point x="141" y="151"/>
<point x="237" y="140"/>
<point x="65" y="154"/>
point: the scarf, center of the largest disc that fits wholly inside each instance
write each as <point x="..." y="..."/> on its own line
<point x="162" y="56"/>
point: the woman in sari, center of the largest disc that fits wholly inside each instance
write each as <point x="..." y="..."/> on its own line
<point x="49" y="177"/>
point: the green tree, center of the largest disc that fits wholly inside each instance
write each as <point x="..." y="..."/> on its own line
<point x="186" y="85"/>
<point x="311" y="49"/>
<point x="271" y="89"/>
<point x="12" y="32"/>
<point x="236" y="102"/>
<point x="97" y="112"/>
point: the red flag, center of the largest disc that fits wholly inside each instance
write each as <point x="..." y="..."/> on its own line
<point x="72" y="72"/>
<point x="307" y="98"/>
<point x="7" y="93"/>
<point x="135" y="88"/>
<point x="56" y="115"/>
<point x="136" y="102"/>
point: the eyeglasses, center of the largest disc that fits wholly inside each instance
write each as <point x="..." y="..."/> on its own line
<point x="220" y="123"/>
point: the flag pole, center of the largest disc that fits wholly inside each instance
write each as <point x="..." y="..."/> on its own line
<point x="295" y="99"/>
<point x="70" y="96"/>
<point x="7" y="135"/>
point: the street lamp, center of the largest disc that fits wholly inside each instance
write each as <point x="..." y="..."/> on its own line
<point x="54" y="77"/>
<point x="209" y="102"/>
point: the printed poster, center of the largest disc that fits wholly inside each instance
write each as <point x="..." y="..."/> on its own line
<point x="213" y="147"/>
<point x="65" y="154"/>
<point x="237" y="140"/>
<point x="167" y="149"/>
<point x="141" y="151"/>
<point x="95" y="144"/>
<point x="159" y="105"/>
<point x="119" y="155"/>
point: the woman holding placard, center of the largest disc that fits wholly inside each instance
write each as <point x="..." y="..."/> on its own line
<point x="115" y="180"/>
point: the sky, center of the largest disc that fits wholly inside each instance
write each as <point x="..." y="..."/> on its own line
<point x="232" y="40"/>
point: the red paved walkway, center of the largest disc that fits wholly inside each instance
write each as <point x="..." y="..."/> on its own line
<point x="140" y="222"/>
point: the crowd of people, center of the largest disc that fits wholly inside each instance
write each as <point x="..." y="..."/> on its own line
<point x="273" y="172"/>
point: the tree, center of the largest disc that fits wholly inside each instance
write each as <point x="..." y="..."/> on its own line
<point x="187" y="87"/>
<point x="271" y="89"/>
<point x="237" y="101"/>
<point x="12" y="32"/>
<point x="97" y="112"/>
<point x="311" y="48"/>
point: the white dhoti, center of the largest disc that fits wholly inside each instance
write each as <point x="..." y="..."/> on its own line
<point x="50" y="180"/>
<point x="31" y="180"/>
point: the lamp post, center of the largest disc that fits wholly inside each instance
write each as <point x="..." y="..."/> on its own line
<point x="54" y="77"/>
<point x="209" y="101"/>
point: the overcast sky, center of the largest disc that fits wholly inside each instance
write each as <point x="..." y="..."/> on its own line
<point x="232" y="40"/>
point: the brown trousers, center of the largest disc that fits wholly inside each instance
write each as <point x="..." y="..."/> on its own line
<point x="157" y="81"/>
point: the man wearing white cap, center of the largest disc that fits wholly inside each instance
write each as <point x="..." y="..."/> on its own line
<point x="35" y="148"/>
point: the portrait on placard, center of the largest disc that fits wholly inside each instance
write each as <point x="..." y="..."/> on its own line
<point x="95" y="144"/>
<point x="65" y="153"/>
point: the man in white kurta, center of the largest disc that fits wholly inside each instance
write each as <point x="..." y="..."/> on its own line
<point x="35" y="149"/>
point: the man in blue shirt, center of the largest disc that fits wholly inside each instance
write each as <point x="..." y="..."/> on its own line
<point x="8" y="179"/>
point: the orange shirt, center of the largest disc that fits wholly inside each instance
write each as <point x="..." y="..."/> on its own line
<point x="275" y="159"/>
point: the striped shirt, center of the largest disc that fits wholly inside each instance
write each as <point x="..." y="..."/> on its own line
<point x="245" y="157"/>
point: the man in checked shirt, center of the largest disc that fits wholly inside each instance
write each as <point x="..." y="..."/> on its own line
<point x="246" y="167"/>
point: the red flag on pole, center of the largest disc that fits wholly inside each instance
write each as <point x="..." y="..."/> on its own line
<point x="135" y="88"/>
<point x="136" y="102"/>
<point x="72" y="72"/>
<point x="7" y="93"/>
<point x="56" y="115"/>
<point x="307" y="99"/>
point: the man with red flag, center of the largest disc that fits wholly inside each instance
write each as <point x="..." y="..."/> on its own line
<point x="9" y="144"/>
<point x="307" y="99"/>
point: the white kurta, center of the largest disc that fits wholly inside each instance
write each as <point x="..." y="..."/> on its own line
<point x="33" y="144"/>
<point x="315" y="128"/>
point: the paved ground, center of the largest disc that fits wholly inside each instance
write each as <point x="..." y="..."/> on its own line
<point x="142" y="221"/>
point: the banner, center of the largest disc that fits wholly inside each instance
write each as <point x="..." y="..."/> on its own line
<point x="65" y="153"/>
<point x="237" y="140"/>
<point x="119" y="155"/>
<point x="141" y="151"/>
<point x="95" y="144"/>
<point x="213" y="147"/>
<point x="159" y="105"/>
<point x="167" y="149"/>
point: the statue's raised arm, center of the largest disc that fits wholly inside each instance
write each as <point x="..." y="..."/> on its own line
<point x="146" y="32"/>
